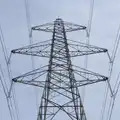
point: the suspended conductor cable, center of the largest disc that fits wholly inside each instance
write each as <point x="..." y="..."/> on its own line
<point x="2" y="41"/>
<point x="4" y="85"/>
<point x="88" y="31"/>
<point x="3" y="44"/>
<point x="112" y="102"/>
<point x="29" y="27"/>
<point x="9" y="58"/>
<point x="5" y="92"/>
<point x="112" y="59"/>
<point x="90" y="18"/>
<point x="4" y="82"/>
<point x="116" y="88"/>
<point x="4" y="51"/>
<point x="116" y="45"/>
<point x="118" y="85"/>
<point x="28" y="17"/>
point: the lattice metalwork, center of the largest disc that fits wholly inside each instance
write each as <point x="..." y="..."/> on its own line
<point x="61" y="98"/>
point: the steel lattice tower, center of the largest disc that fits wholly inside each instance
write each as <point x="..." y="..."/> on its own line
<point x="61" y="95"/>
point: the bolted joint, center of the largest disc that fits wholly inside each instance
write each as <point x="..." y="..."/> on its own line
<point x="14" y="80"/>
<point x="105" y="50"/>
<point x="106" y="78"/>
<point x="12" y="51"/>
<point x="84" y="27"/>
<point x="33" y="28"/>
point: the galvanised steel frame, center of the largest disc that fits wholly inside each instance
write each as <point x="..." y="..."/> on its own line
<point x="61" y="98"/>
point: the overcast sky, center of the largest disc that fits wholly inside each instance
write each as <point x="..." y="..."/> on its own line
<point x="106" y="20"/>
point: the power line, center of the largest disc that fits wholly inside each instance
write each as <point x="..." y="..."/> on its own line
<point x="90" y="18"/>
<point x="8" y="98"/>
<point x="27" y="7"/>
<point x="88" y="31"/>
<point x="2" y="41"/>
<point x="112" y="59"/>
<point x="28" y="18"/>
<point x="3" y="44"/>
<point x="113" y="98"/>
<point x="116" y="88"/>
<point x="6" y="93"/>
<point x="4" y="85"/>
<point x="115" y="49"/>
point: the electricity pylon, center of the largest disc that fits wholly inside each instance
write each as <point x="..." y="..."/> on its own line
<point x="61" y="98"/>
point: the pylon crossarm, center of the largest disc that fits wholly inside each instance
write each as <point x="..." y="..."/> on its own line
<point x="86" y="82"/>
<point x="82" y="73"/>
<point x="33" y="83"/>
<point x="69" y="27"/>
<point x="31" y="78"/>
<point x="79" y="49"/>
<point x="48" y="27"/>
<point x="41" y="49"/>
<point x="86" y="77"/>
<point x="73" y="27"/>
